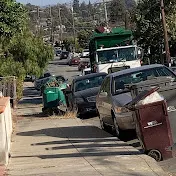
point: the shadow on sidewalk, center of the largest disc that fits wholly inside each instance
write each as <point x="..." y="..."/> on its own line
<point x="90" y="141"/>
<point x="30" y="100"/>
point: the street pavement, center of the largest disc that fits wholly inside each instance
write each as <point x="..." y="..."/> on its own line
<point x="52" y="146"/>
<point x="60" y="67"/>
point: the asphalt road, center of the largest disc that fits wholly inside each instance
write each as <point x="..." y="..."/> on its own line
<point x="60" y="67"/>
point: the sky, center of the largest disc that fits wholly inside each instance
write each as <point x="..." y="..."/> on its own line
<point x="43" y="2"/>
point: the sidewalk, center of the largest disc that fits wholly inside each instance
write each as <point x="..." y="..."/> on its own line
<point x="68" y="147"/>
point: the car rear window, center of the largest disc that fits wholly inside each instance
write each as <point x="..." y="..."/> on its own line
<point x="136" y="77"/>
<point x="89" y="83"/>
<point x="64" y="52"/>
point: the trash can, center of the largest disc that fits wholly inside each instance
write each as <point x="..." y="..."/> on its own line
<point x="54" y="101"/>
<point x="167" y="90"/>
<point x="50" y="97"/>
<point x="152" y="125"/>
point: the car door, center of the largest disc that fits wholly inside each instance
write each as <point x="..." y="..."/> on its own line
<point x="99" y="99"/>
<point x="107" y="101"/>
<point x="103" y="104"/>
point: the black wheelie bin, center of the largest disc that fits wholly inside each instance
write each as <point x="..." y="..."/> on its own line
<point x="152" y="125"/>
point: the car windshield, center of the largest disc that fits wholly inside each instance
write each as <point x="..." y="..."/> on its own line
<point x="117" y="55"/>
<point x="89" y="83"/>
<point x="136" y="77"/>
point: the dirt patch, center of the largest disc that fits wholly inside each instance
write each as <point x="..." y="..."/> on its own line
<point x="68" y="115"/>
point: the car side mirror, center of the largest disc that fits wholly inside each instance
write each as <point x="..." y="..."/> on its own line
<point x="103" y="94"/>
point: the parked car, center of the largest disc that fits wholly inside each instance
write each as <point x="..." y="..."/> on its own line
<point x="173" y="69"/>
<point x="29" y="78"/>
<point x="86" y="71"/>
<point x="43" y="79"/>
<point x="58" y="52"/>
<point x="74" y="61"/>
<point x="64" y="55"/>
<point x="113" y="95"/>
<point x="83" y="64"/>
<point x="38" y="82"/>
<point x="85" y="52"/>
<point x="82" y="94"/>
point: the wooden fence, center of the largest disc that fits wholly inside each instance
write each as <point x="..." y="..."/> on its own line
<point x="8" y="88"/>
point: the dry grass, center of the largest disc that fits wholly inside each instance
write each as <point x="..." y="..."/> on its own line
<point x="68" y="115"/>
<point x="14" y="121"/>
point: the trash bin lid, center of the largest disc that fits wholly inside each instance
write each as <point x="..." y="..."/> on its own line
<point x="50" y="92"/>
<point x="141" y="96"/>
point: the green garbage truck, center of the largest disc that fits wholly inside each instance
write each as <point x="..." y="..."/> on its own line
<point x="113" y="49"/>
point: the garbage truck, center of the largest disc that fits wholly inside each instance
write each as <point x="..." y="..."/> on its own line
<point x="113" y="49"/>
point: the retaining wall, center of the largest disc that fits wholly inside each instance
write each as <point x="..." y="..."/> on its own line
<point x="5" y="129"/>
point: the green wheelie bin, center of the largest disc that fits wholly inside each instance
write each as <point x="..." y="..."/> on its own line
<point x="53" y="101"/>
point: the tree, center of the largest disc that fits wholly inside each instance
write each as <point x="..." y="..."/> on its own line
<point x="83" y="10"/>
<point x="117" y="11"/>
<point x="83" y="38"/>
<point x="149" y="30"/>
<point x="21" y="52"/>
<point x="76" y="6"/>
<point x="13" y="18"/>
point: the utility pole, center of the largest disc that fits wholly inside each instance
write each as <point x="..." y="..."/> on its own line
<point x="60" y="22"/>
<point x="51" y="24"/>
<point x="126" y="20"/>
<point x="106" y="13"/>
<point x="38" y="20"/>
<point x="74" y="32"/>
<point x="166" y="42"/>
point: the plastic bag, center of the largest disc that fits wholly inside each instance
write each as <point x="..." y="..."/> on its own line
<point x="154" y="97"/>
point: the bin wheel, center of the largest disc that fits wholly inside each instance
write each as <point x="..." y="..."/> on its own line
<point x="155" y="154"/>
<point x="47" y="111"/>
